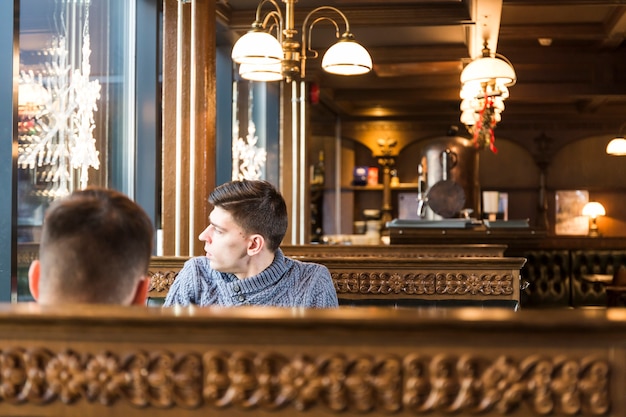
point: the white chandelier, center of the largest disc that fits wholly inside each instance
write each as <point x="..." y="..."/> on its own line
<point x="485" y="85"/>
<point x="263" y="57"/>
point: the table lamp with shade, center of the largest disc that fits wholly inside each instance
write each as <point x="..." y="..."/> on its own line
<point x="593" y="209"/>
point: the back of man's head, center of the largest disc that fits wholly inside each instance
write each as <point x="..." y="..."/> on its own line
<point x="257" y="207"/>
<point x="95" y="248"/>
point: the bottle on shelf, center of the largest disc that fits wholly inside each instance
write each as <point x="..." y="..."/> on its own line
<point x="395" y="181"/>
<point x="421" y="191"/>
<point x="317" y="177"/>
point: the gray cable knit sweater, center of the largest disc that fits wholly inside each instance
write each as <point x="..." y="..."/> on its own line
<point x="285" y="283"/>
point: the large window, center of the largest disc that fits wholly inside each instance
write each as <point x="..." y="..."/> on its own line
<point x="76" y="116"/>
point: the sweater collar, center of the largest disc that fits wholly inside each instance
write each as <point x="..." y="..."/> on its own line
<point x="271" y="275"/>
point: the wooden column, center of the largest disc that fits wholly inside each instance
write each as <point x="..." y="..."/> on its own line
<point x="294" y="179"/>
<point x="189" y="111"/>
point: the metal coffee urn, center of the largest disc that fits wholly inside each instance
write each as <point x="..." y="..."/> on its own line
<point x="449" y="169"/>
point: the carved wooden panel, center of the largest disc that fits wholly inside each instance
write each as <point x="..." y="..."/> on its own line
<point x="468" y="278"/>
<point x="426" y="284"/>
<point x="108" y="360"/>
<point x="334" y="381"/>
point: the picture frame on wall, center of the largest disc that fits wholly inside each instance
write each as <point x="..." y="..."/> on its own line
<point x="569" y="219"/>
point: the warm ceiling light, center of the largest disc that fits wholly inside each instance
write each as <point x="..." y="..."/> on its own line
<point x="271" y="72"/>
<point x="617" y="146"/>
<point x="347" y="57"/>
<point x="259" y="48"/>
<point x="468" y="117"/>
<point x="487" y="68"/>
<point x="545" y="41"/>
<point x="485" y="83"/>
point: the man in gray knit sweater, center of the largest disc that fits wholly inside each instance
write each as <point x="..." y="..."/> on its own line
<point x="244" y="264"/>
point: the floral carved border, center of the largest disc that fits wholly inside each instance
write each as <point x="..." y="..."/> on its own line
<point x="420" y="384"/>
<point x="162" y="281"/>
<point x="487" y="284"/>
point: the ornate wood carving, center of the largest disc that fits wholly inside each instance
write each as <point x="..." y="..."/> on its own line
<point x="161" y="281"/>
<point x="338" y="382"/>
<point x="424" y="284"/>
<point x="484" y="277"/>
<point x="393" y="283"/>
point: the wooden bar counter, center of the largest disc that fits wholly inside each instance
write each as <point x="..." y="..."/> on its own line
<point x="254" y="361"/>
<point x="400" y="279"/>
<point x="399" y="251"/>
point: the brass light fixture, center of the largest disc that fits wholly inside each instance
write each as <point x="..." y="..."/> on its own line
<point x="263" y="57"/>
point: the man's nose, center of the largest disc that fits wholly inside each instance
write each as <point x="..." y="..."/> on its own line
<point x="205" y="235"/>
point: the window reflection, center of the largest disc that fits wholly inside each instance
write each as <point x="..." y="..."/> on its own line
<point x="75" y="104"/>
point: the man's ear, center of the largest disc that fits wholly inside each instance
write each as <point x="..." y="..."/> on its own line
<point x="34" y="273"/>
<point x="256" y="243"/>
<point x="141" y="292"/>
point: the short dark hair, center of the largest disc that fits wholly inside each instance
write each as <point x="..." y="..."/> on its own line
<point x="96" y="245"/>
<point x="257" y="206"/>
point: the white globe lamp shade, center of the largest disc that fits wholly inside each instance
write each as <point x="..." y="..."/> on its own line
<point x="271" y="72"/>
<point x="258" y="48"/>
<point x="471" y="90"/>
<point x="488" y="68"/>
<point x="347" y="57"/>
<point x="468" y="118"/>
<point x="504" y="91"/>
<point x="617" y="147"/>
<point x="498" y="104"/>
<point x="593" y="209"/>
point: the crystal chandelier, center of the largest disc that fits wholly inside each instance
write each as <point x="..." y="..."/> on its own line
<point x="263" y="57"/>
<point x="485" y="82"/>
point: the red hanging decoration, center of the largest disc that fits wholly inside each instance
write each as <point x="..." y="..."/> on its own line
<point x="483" y="129"/>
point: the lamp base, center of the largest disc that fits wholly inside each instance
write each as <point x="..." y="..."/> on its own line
<point x="593" y="229"/>
<point x="594" y="233"/>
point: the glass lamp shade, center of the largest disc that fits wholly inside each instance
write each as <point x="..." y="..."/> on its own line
<point x="498" y="104"/>
<point x="347" y="57"/>
<point x="466" y="104"/>
<point x="593" y="209"/>
<point x="271" y="72"/>
<point x="488" y="68"/>
<point x="617" y="146"/>
<point x="504" y="92"/>
<point x="258" y="48"/>
<point x="474" y="89"/>
<point x="468" y="117"/>
<point x="470" y="90"/>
